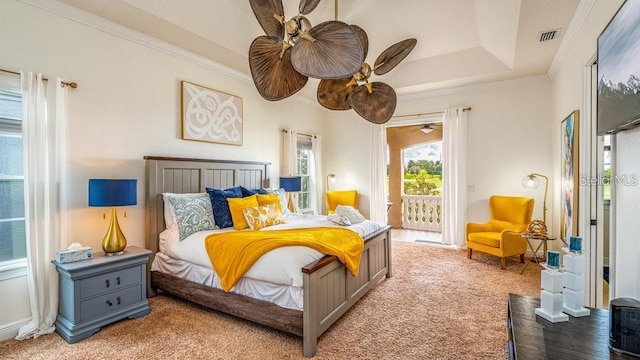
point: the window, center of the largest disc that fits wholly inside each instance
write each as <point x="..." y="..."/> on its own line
<point x="12" y="212"/>
<point x="304" y="167"/>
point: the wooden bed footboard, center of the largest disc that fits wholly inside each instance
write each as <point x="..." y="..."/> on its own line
<point x="330" y="290"/>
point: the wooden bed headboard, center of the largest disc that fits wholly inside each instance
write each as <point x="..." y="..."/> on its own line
<point x="180" y="175"/>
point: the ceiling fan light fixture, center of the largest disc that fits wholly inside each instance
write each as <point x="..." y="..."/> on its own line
<point x="426" y="128"/>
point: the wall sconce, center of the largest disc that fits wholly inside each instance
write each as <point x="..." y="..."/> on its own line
<point x="531" y="182"/>
<point x="290" y="185"/>
<point x="113" y="192"/>
<point x="331" y="179"/>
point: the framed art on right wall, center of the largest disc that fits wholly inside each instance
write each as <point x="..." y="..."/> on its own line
<point x="569" y="187"/>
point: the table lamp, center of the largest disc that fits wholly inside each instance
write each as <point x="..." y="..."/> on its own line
<point x="113" y="192"/>
<point x="291" y="184"/>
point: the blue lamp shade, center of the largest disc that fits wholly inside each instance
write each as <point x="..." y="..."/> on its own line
<point x="112" y="192"/>
<point x="291" y="183"/>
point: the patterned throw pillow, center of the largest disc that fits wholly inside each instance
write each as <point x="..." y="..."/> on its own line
<point x="169" y="216"/>
<point x="258" y="217"/>
<point x="221" y="213"/>
<point x="193" y="214"/>
<point x="236" y="206"/>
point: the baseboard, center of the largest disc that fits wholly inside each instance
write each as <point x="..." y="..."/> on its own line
<point x="10" y="331"/>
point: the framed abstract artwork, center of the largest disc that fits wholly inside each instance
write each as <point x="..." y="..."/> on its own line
<point x="210" y="115"/>
<point x="569" y="187"/>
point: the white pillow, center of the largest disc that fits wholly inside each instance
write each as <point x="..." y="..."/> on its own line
<point x="169" y="214"/>
<point x="350" y="212"/>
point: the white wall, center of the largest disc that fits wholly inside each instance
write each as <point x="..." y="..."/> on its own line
<point x="507" y="138"/>
<point x="127" y="106"/>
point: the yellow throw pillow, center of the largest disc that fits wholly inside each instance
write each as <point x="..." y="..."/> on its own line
<point x="259" y="217"/>
<point x="270" y="199"/>
<point x="236" y="205"/>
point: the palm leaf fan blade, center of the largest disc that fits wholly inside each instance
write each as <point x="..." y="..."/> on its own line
<point x="393" y="55"/>
<point x="364" y="40"/>
<point x="376" y="106"/>
<point x="333" y="94"/>
<point x="266" y="12"/>
<point x="307" y="6"/>
<point x="334" y="53"/>
<point x="273" y="75"/>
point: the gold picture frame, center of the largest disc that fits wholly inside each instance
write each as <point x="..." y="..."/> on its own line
<point x="210" y="115"/>
<point x="570" y="145"/>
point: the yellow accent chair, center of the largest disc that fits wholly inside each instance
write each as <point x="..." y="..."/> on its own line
<point x="344" y="197"/>
<point x="501" y="235"/>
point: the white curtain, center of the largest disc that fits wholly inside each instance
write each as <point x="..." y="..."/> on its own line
<point x="454" y="153"/>
<point x="44" y="154"/>
<point x="315" y="175"/>
<point x="290" y="164"/>
<point x="290" y="160"/>
<point x="378" y="211"/>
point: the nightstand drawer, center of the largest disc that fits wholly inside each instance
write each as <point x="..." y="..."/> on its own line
<point x="110" y="281"/>
<point x="111" y="302"/>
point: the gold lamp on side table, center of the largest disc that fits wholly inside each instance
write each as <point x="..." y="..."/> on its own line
<point x="113" y="192"/>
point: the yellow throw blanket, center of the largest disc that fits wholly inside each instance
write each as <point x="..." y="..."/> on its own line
<point x="233" y="253"/>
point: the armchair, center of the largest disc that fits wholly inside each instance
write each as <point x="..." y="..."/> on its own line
<point x="501" y="235"/>
<point x="346" y="197"/>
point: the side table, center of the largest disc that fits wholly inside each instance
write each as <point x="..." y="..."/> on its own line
<point x="543" y="242"/>
<point x="100" y="291"/>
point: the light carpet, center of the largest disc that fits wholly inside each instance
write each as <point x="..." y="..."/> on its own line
<point x="437" y="305"/>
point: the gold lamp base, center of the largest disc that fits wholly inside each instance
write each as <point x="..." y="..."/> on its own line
<point x="114" y="241"/>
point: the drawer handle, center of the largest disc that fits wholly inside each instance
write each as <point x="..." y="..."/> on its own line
<point x="109" y="302"/>
<point x="118" y="280"/>
<point x="108" y="283"/>
<point x="118" y="298"/>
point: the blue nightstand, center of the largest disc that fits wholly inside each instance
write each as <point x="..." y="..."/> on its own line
<point x="100" y="291"/>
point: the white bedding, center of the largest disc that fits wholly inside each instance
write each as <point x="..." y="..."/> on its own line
<point x="289" y="297"/>
<point x="281" y="266"/>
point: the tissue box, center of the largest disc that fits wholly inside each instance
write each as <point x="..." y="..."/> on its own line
<point x="67" y="256"/>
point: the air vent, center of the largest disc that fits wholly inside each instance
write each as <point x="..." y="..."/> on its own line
<point x="548" y="35"/>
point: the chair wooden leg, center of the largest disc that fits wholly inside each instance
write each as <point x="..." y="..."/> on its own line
<point x="469" y="250"/>
<point x="503" y="263"/>
<point x="522" y="258"/>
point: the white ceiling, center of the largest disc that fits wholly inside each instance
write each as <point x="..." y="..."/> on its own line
<point x="460" y="42"/>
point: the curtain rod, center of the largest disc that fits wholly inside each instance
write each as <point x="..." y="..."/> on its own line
<point x="286" y="131"/>
<point x="425" y="114"/>
<point x="72" y="85"/>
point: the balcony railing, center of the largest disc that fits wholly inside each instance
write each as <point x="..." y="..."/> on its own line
<point x="422" y="212"/>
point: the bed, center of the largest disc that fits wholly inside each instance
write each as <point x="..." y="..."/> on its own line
<point x="328" y="289"/>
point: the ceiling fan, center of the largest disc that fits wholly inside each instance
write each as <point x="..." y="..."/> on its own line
<point x="293" y="50"/>
<point x="374" y="101"/>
